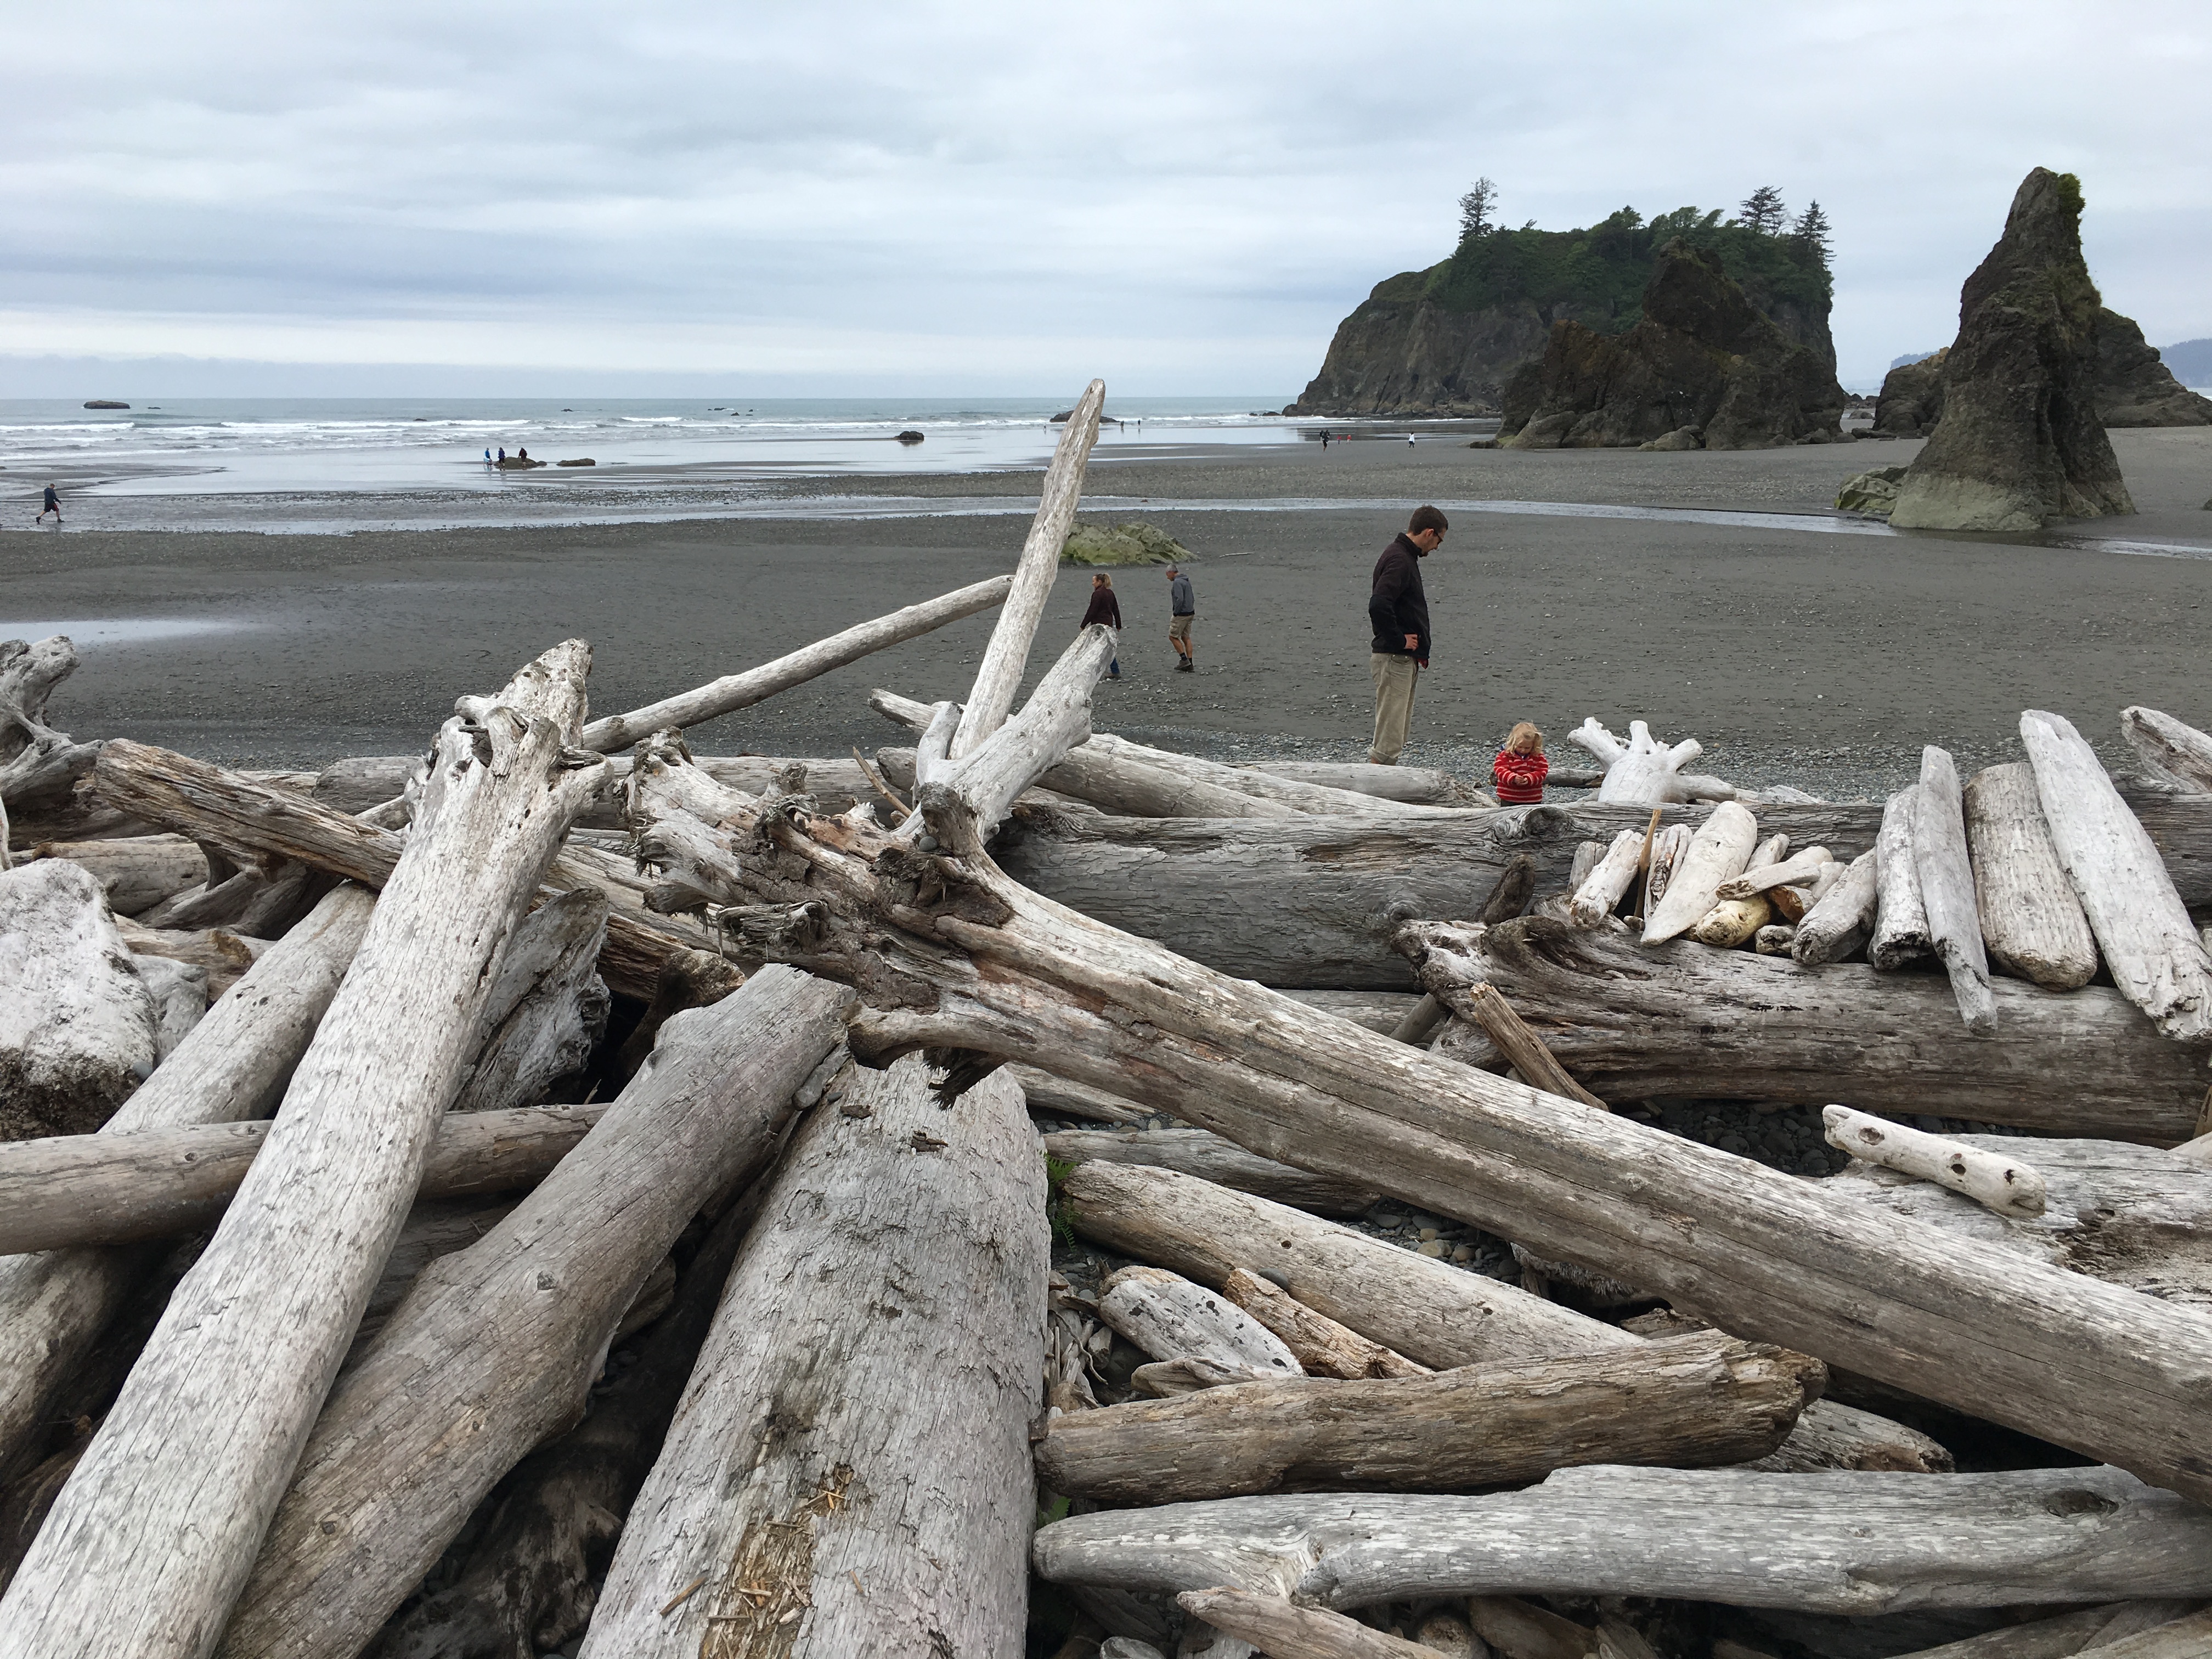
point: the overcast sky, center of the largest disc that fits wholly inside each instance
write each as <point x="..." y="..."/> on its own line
<point x="988" y="198"/>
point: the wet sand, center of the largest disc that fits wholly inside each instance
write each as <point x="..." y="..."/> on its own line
<point x="1820" y="658"/>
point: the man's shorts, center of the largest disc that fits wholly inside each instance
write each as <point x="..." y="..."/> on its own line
<point x="1179" y="629"/>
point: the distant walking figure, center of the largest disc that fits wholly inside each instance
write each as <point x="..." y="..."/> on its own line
<point x="53" y="505"/>
<point x="1398" y="609"/>
<point x="502" y="452"/>
<point x="1520" y="770"/>
<point x="487" y="458"/>
<point x="1185" y="607"/>
<point x="1324" y="439"/>
<point x="1105" y="607"/>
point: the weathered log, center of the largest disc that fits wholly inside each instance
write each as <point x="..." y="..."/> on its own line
<point x="39" y="766"/>
<point x="257" y="821"/>
<point x="1668" y="843"/>
<point x="2102" y="1370"/>
<point x="77" y="1025"/>
<point x="2130" y="1214"/>
<point x="2125" y="1629"/>
<point x="1732" y="922"/>
<point x="735" y="692"/>
<point x="203" y="1440"/>
<point x="1690" y="1401"/>
<point x="136" y="874"/>
<point x="2006" y="1185"/>
<point x="1290" y="1631"/>
<point x="1632" y="1024"/>
<point x="1791" y="902"/>
<point x="1170" y="1317"/>
<point x="179" y="991"/>
<point x="467" y="1377"/>
<point x="547" y="1007"/>
<point x="1414" y="786"/>
<point x="1042" y="1091"/>
<point x="528" y="1582"/>
<point x="362" y="781"/>
<point x="1775" y="939"/>
<point x="2032" y="922"/>
<point x="1857" y="1544"/>
<point x="1262" y="784"/>
<point x="688" y="979"/>
<point x="1831" y="1434"/>
<point x="223" y="955"/>
<point x="1449" y="1635"/>
<point x="1421" y="1022"/>
<point x="2178" y="754"/>
<point x="1198" y="1152"/>
<point x="930" y="1222"/>
<point x="1321" y="1346"/>
<point x="1509" y="1034"/>
<point x="2143" y="930"/>
<point x="163" y="1182"/>
<point x="1760" y="878"/>
<point x="1606" y="886"/>
<point x="1901" y="927"/>
<point x="1720" y="848"/>
<point x="1641" y="772"/>
<point x="1841" y="920"/>
<point x="1426" y="1310"/>
<point x="235" y="1065"/>
<point x="1946" y="890"/>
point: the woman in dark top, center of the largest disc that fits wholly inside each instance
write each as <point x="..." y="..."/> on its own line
<point x="1105" y="607"/>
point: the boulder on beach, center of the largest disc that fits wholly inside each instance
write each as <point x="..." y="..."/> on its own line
<point x="2020" y="442"/>
<point x="1873" y="492"/>
<point x="585" y="460"/>
<point x="1912" y="397"/>
<point x="1704" y="357"/>
<point x="910" y="436"/>
<point x="1121" y="543"/>
<point x="1682" y="437"/>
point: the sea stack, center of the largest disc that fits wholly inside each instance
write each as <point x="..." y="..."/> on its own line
<point x="2020" y="442"/>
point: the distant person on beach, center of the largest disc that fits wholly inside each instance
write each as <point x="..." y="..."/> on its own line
<point x="1324" y="439"/>
<point x="1398" y="609"/>
<point x="502" y="454"/>
<point x="487" y="458"/>
<point x="53" y="505"/>
<point x="1184" y="604"/>
<point x="1105" y="607"/>
<point x="521" y="454"/>
<point x="1520" y="770"/>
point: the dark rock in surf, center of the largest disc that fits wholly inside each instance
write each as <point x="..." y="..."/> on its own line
<point x="2020" y="442"/>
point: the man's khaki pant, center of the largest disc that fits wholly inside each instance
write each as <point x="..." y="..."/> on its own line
<point x="1394" y="678"/>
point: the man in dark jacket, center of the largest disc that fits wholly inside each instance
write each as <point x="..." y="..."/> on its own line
<point x="1183" y="606"/>
<point x="1399" y="612"/>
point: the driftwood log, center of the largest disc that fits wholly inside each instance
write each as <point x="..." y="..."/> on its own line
<point x="1721" y="848"/>
<point x="1171" y="1317"/>
<point x="1690" y="1402"/>
<point x="162" y="1182"/>
<point x="1856" y="1544"/>
<point x="39" y="766"/>
<point x="179" y="991"/>
<point x="259" y="821"/>
<point x="2170" y="751"/>
<point x="491" y="1352"/>
<point x="54" y="1304"/>
<point x="1198" y="1152"/>
<point x="77" y="1025"/>
<point x="1900" y="927"/>
<point x="952" y="955"/>
<point x="547" y="1007"/>
<point x="152" y="1537"/>
<point x="1632" y="1023"/>
<point x="136" y="874"/>
<point x="2032" y="922"/>
<point x="1290" y="1632"/>
<point x="1940" y="859"/>
<point x="1641" y="772"/>
<point x="1840" y="921"/>
<point x="889" y="1493"/>
<point x="2104" y="1631"/>
<point x="2007" y="1185"/>
<point x="2143" y="929"/>
<point x="1321" y="1346"/>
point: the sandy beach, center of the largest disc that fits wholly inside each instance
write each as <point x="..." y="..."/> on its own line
<point x="1795" y="651"/>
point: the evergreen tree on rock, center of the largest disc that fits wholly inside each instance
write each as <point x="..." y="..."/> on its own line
<point x="1762" y="211"/>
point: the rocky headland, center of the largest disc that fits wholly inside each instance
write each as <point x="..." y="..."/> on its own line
<point x="1702" y="368"/>
<point x="2020" y="442"/>
<point x="1446" y="341"/>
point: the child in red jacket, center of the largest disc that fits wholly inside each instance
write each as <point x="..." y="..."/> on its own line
<point x="1520" y="768"/>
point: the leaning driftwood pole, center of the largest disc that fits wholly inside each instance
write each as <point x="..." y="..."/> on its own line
<point x="159" y="1183"/>
<point x="735" y="692"/>
<point x="1946" y="890"/>
<point x="475" y="1367"/>
<point x="1295" y="1632"/>
<point x="2032" y="921"/>
<point x="891" y="1303"/>
<point x="999" y="675"/>
<point x="152" y="1537"/>
<point x="2169" y="750"/>
<point x="54" y="1304"/>
<point x="2110" y="1372"/>
<point x="78" y="1028"/>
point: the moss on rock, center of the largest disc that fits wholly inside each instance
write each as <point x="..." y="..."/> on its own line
<point x="1121" y="543"/>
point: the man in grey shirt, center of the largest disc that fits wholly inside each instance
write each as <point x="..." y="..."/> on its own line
<point x="1184" y="607"/>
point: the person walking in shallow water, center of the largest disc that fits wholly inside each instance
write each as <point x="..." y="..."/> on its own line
<point x="1184" y="606"/>
<point x="53" y="504"/>
<point x="1107" y="609"/>
<point x="1398" y="610"/>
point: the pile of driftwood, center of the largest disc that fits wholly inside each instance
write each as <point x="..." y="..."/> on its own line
<point x="470" y="1204"/>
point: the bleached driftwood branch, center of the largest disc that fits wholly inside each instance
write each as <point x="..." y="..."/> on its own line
<point x="2006" y="1185"/>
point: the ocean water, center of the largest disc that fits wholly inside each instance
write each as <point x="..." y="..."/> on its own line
<point x="277" y="464"/>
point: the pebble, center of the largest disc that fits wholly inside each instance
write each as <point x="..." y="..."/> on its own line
<point x="1427" y="1233"/>
<point x="1432" y="1247"/>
